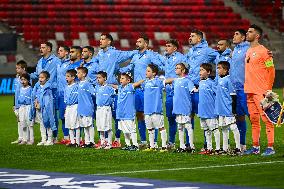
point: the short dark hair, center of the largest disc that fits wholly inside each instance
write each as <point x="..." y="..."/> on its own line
<point x="242" y="32"/>
<point x="72" y="72"/>
<point x="103" y="74"/>
<point x="78" y="48"/>
<point x="90" y="48"/>
<point x="127" y="75"/>
<point x="23" y="64"/>
<point x="174" y="42"/>
<point x="145" y="37"/>
<point x="257" y="29"/>
<point x="47" y="43"/>
<point x="154" y="68"/>
<point x="206" y="66"/>
<point x="108" y="36"/>
<point x="46" y="73"/>
<point x="83" y="69"/>
<point x="26" y="76"/>
<point x="228" y="42"/>
<point x="184" y="67"/>
<point x="225" y="65"/>
<point x="66" y="48"/>
<point x="198" y="32"/>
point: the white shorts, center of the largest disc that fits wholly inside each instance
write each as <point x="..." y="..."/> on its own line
<point x="85" y="121"/>
<point x="104" y="118"/>
<point x="226" y="121"/>
<point x="127" y="126"/>
<point x="24" y="116"/>
<point x="71" y="117"/>
<point x="209" y="124"/>
<point x="182" y="119"/>
<point x="154" y="121"/>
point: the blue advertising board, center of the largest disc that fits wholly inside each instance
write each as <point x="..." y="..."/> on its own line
<point x="6" y="85"/>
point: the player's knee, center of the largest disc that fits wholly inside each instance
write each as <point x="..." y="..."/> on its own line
<point x="241" y="118"/>
<point x="140" y="116"/>
<point x="254" y="119"/>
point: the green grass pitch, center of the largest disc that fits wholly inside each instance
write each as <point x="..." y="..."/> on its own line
<point x="59" y="158"/>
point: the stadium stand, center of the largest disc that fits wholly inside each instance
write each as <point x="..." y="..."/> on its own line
<point x="270" y="11"/>
<point x="80" y="22"/>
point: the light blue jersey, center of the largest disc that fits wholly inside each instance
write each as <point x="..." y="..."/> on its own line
<point x="237" y="71"/>
<point x="207" y="96"/>
<point x="223" y="103"/>
<point x="71" y="94"/>
<point x="45" y="99"/>
<point x="170" y="62"/>
<point x="104" y="94"/>
<point x="109" y="61"/>
<point x="198" y="54"/>
<point x="139" y="63"/>
<point x="224" y="56"/>
<point x="17" y="87"/>
<point x="61" y="76"/>
<point x="125" y="103"/>
<point x="92" y="67"/>
<point x="183" y="87"/>
<point x="49" y="65"/>
<point x="25" y="96"/>
<point x="85" y="101"/>
<point x="153" y="96"/>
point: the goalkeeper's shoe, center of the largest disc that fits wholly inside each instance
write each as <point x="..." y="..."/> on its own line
<point x="268" y="152"/>
<point x="253" y="150"/>
<point x="149" y="150"/>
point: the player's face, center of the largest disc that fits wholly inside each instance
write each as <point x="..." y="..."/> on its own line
<point x="19" y="69"/>
<point x="221" y="46"/>
<point x="81" y="75"/>
<point x="221" y="70"/>
<point x="69" y="78"/>
<point x="101" y="80"/>
<point x="179" y="70"/>
<point x="194" y="39"/>
<point x="104" y="42"/>
<point x="238" y="38"/>
<point x="24" y="81"/>
<point x="44" y="50"/>
<point x="86" y="54"/>
<point x="170" y="48"/>
<point x="42" y="79"/>
<point x="62" y="53"/>
<point x="251" y="35"/>
<point x="203" y="73"/>
<point x="149" y="73"/>
<point x="141" y="44"/>
<point x="74" y="54"/>
<point x="124" y="80"/>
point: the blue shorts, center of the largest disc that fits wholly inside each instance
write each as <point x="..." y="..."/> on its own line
<point x="61" y="106"/>
<point x="242" y="108"/>
<point x="194" y="101"/>
<point x="139" y="100"/>
<point x="114" y="106"/>
<point x="169" y="106"/>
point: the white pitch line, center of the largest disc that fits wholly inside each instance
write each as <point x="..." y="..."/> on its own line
<point x="191" y="168"/>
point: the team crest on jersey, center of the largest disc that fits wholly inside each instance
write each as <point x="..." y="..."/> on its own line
<point x="198" y="52"/>
<point x="253" y="54"/>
